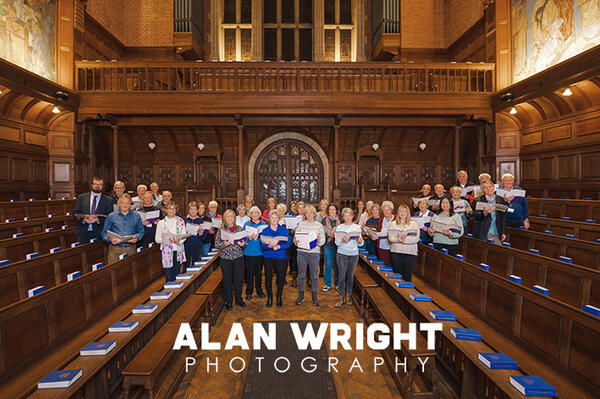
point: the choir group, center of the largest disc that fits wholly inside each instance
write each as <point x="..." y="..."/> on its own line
<point x="323" y="242"/>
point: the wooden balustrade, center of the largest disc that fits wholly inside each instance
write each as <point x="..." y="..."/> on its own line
<point x="269" y="77"/>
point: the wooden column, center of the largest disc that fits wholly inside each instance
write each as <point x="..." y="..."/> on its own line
<point x="336" y="157"/>
<point x="64" y="42"/>
<point x="115" y="129"/>
<point x="456" y="148"/>
<point x="257" y="30"/>
<point x="318" y="33"/>
<point x="503" y="45"/>
<point x="91" y="149"/>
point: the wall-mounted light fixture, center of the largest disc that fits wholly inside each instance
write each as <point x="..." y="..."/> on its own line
<point x="422" y="146"/>
<point x="55" y="110"/>
<point x="200" y="146"/>
<point x="567" y="92"/>
<point x="375" y="146"/>
<point x="152" y="145"/>
<point x="513" y="111"/>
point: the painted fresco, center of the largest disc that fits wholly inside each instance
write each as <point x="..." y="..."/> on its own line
<point x="27" y="35"/>
<point x="546" y="32"/>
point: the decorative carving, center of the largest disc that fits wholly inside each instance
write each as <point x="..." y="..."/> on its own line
<point x="428" y="174"/>
<point x="408" y="175"/>
<point x="145" y="175"/>
<point x="166" y="176"/>
<point x="186" y="176"/>
<point x="448" y="177"/>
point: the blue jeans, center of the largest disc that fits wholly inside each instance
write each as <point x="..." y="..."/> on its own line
<point x="330" y="252"/>
<point x="463" y="216"/>
<point x="205" y="248"/>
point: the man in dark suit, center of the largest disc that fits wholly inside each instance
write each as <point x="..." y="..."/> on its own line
<point x="92" y="203"/>
<point x="489" y="223"/>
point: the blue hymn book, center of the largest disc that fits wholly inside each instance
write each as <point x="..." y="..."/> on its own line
<point x="394" y="275"/>
<point x="98" y="348"/>
<point x="385" y="268"/>
<point x="420" y="297"/>
<point x="60" y="378"/>
<point x="532" y="386"/>
<point x="497" y="361"/>
<point x="148" y="308"/>
<point x="465" y="333"/>
<point x="444" y="315"/>
<point x="123" y="326"/>
<point x="405" y="284"/>
<point x="161" y="295"/>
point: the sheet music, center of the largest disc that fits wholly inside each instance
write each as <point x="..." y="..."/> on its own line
<point x="234" y="237"/>
<point x="510" y="193"/>
<point x="481" y="206"/>
<point x="434" y="203"/>
<point x="268" y="239"/>
<point x="459" y="206"/>
<point x="166" y="237"/>
<point x="291" y="222"/>
<point x="402" y="233"/>
<point x="371" y="232"/>
<point x="119" y="237"/>
<point x="353" y="234"/>
<point x="439" y="226"/>
<point x="192" y="228"/>
<point x="306" y="240"/>
<point x="417" y="200"/>
<point x="217" y="223"/>
<point x="422" y="221"/>
<point x="466" y="191"/>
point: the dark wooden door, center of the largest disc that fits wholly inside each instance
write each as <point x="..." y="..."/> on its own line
<point x="289" y="170"/>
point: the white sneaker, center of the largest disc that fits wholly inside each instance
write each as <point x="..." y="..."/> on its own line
<point x="326" y="288"/>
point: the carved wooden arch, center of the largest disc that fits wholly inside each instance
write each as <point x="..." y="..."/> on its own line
<point x="286" y="136"/>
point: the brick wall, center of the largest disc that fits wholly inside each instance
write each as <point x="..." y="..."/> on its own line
<point x="136" y="23"/>
<point x="423" y="24"/>
<point x="460" y="16"/>
<point x="109" y="13"/>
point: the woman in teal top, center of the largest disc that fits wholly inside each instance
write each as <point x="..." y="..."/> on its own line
<point x="253" y="256"/>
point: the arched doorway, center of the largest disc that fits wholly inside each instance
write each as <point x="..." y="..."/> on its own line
<point x="286" y="170"/>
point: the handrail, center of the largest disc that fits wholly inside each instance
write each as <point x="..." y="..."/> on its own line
<point x="299" y="77"/>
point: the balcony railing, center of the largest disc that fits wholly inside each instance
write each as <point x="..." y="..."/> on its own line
<point x="273" y="77"/>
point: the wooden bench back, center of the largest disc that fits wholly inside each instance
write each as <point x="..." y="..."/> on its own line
<point x="571" y="284"/>
<point x="564" y="337"/>
<point x="15" y="249"/>
<point x="581" y="230"/>
<point x="555" y="208"/>
<point x="37" y="225"/>
<point x="35" y="209"/>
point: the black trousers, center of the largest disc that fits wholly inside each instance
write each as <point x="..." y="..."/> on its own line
<point x="404" y="264"/>
<point x="452" y="249"/>
<point x="291" y="253"/>
<point x="233" y="274"/>
<point x="254" y="265"/>
<point x="279" y="266"/>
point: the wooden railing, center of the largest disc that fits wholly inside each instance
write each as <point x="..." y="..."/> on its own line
<point x="299" y="77"/>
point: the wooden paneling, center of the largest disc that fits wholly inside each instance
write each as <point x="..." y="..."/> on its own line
<point x="531" y="138"/>
<point x="588" y="126"/>
<point x="567" y="166"/>
<point x="9" y="133"/>
<point x="590" y="165"/>
<point x="558" y="133"/>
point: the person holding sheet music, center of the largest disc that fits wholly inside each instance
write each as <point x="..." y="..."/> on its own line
<point x="383" y="247"/>
<point x="403" y="236"/>
<point x="231" y="256"/>
<point x="461" y="206"/>
<point x="253" y="255"/>
<point x="372" y="223"/>
<point x="292" y="252"/>
<point x="124" y="223"/>
<point x="478" y="191"/>
<point x="330" y="222"/>
<point x="309" y="237"/>
<point x="271" y="203"/>
<point x="137" y="200"/>
<point x="446" y="236"/>
<point x="274" y="256"/>
<point x="301" y="209"/>
<point x="248" y="203"/>
<point x="347" y="239"/>
<point x="167" y="197"/>
<point x="241" y="217"/>
<point x="425" y="193"/>
<point x="206" y="237"/>
<point x="440" y="192"/>
<point x="118" y="190"/>
<point x="323" y="205"/>
<point x="170" y="234"/>
<point x="193" y="244"/>
<point x="149" y="225"/>
<point x="518" y="213"/>
<point x="462" y="181"/>
<point x="213" y="214"/>
<point x="423" y="218"/>
<point x="88" y="210"/>
<point x="489" y="223"/>
<point x="156" y="197"/>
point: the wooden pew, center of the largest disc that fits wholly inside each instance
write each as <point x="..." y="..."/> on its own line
<point x="213" y="288"/>
<point x="581" y="230"/>
<point x="35" y="209"/>
<point x="572" y="284"/>
<point x="53" y="317"/>
<point x="552" y="331"/>
<point x="103" y="375"/>
<point x="390" y="314"/>
<point x="15" y="249"/>
<point x="362" y="281"/>
<point x="555" y="208"/>
<point x="48" y="270"/>
<point x="37" y="225"/>
<point x="583" y="253"/>
<point x="457" y="360"/>
<point x="158" y="358"/>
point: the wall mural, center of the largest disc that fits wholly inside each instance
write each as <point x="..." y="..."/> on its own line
<point x="546" y="32"/>
<point x="27" y="31"/>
